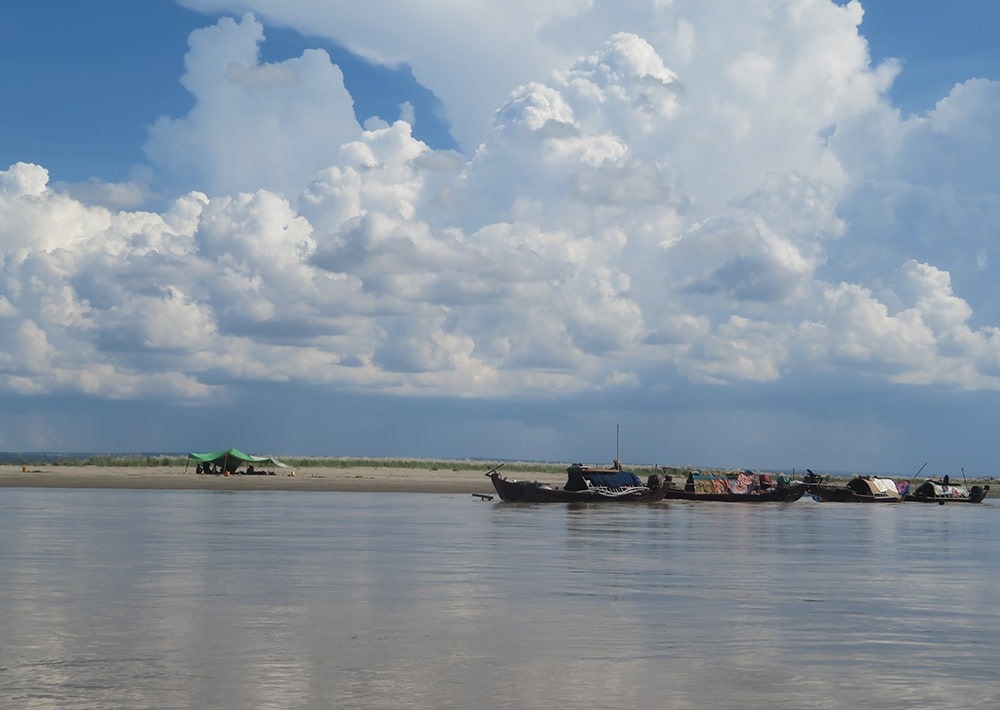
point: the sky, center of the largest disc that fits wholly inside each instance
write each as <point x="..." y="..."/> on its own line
<point x="754" y="235"/>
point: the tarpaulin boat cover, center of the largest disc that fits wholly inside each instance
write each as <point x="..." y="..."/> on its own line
<point x="886" y="486"/>
<point x="874" y="486"/>
<point x="613" y="479"/>
<point x="600" y="478"/>
<point x="937" y="490"/>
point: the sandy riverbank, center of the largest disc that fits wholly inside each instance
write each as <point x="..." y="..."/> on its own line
<point x="445" y="479"/>
<point x="374" y="479"/>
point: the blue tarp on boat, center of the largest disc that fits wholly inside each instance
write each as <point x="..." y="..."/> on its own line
<point x="600" y="478"/>
<point x="613" y="479"/>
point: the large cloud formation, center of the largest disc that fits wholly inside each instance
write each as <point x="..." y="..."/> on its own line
<point x="711" y="194"/>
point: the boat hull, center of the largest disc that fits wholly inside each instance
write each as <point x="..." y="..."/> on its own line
<point x="533" y="492"/>
<point x="843" y="494"/>
<point x="934" y="492"/>
<point x="860" y="489"/>
<point x="785" y="494"/>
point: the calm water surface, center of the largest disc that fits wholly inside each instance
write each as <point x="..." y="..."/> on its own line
<point x="194" y="599"/>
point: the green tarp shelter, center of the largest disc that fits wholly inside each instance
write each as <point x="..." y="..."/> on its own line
<point x="232" y="459"/>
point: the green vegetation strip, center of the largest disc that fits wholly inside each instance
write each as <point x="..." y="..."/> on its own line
<point x="174" y="461"/>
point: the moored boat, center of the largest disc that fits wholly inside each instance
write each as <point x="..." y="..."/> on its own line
<point x="741" y="487"/>
<point x="584" y="484"/>
<point x="944" y="491"/>
<point x="860" y="489"/>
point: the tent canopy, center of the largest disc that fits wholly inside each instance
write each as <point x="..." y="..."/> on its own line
<point x="229" y="457"/>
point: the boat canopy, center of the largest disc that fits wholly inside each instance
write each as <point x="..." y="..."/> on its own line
<point x="232" y="458"/>
<point x="936" y="489"/>
<point x="600" y="478"/>
<point x="874" y="486"/>
<point x="739" y="483"/>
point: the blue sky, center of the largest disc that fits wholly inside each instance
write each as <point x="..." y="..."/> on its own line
<point x="67" y="63"/>
<point x="760" y="237"/>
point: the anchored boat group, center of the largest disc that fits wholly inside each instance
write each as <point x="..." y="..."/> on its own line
<point x="615" y="485"/>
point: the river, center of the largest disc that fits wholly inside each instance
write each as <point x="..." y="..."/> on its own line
<point x="197" y="599"/>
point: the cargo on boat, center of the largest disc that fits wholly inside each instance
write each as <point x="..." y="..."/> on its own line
<point x="944" y="491"/>
<point x="736" y="487"/>
<point x="860" y="489"/>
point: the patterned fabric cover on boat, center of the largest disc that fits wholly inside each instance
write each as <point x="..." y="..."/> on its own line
<point x="743" y="483"/>
<point x="937" y="490"/>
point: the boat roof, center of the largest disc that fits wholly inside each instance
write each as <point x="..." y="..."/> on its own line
<point x="875" y="485"/>
<point x="610" y="478"/>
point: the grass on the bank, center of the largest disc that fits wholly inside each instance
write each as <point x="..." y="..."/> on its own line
<point x="168" y="461"/>
<point x="294" y="462"/>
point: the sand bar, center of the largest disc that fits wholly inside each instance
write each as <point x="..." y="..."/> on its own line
<point x="373" y="479"/>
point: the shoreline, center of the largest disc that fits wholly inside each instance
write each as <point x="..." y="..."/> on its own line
<point x="319" y="478"/>
<point x="363" y="479"/>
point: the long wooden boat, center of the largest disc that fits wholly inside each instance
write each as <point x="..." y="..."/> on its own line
<point x="943" y="491"/>
<point x="860" y="489"/>
<point x="742" y="487"/>
<point x="583" y="485"/>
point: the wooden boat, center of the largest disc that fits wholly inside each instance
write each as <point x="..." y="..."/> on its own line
<point x="943" y="491"/>
<point x="860" y="489"/>
<point x="583" y="485"/>
<point x="742" y="487"/>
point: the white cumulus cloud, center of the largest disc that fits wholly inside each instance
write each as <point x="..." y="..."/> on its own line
<point x="254" y="125"/>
